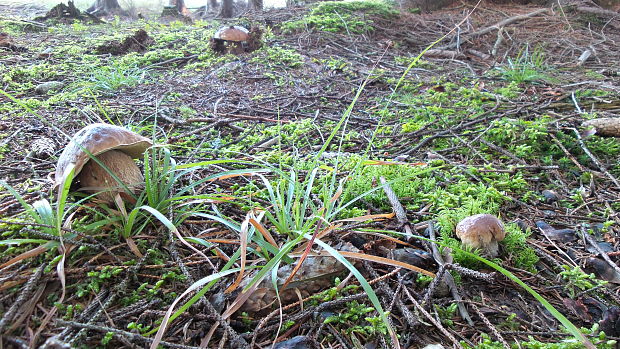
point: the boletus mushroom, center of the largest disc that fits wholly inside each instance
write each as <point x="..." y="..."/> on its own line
<point x="606" y="127"/>
<point x="113" y="146"/>
<point x="482" y="231"/>
<point x="232" y="38"/>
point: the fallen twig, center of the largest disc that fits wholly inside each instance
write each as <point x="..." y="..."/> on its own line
<point x="594" y="159"/>
<point x="24" y="295"/>
<point x="448" y="277"/>
<point x="401" y="216"/>
<point x="131" y="336"/>
<point x="432" y="319"/>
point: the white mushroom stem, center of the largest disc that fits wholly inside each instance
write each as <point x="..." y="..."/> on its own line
<point x="482" y="231"/>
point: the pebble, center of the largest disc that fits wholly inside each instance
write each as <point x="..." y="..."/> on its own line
<point x="603" y="270"/>
<point x="48" y="86"/>
<point x="298" y="342"/>
<point x="550" y="196"/>
<point x="562" y="235"/>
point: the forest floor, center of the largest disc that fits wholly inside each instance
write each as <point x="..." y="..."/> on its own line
<point x="301" y="139"/>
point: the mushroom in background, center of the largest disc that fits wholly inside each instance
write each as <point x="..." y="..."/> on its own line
<point x="606" y="127"/>
<point x="236" y="39"/>
<point x="231" y="39"/>
<point x="113" y="146"/>
<point x="482" y="231"/>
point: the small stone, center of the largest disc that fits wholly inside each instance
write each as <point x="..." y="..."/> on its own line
<point x="43" y="147"/>
<point x="414" y="256"/>
<point x="44" y="88"/>
<point x="298" y="342"/>
<point x="603" y="270"/>
<point x="550" y="196"/>
<point x="561" y="235"/>
<point x="322" y="316"/>
<point x="610" y="323"/>
<point x="604" y="246"/>
<point x="522" y="225"/>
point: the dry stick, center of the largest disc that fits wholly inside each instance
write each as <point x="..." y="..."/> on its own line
<point x="566" y="152"/>
<point x="401" y="216"/>
<point x="552" y="242"/>
<point x="598" y="249"/>
<point x="439" y="276"/>
<point x="108" y="302"/>
<point x="233" y="116"/>
<point x="36" y="233"/>
<point x="95" y="243"/>
<point x="235" y="337"/>
<point x="503" y="151"/>
<point x="497" y="309"/>
<point x="308" y="312"/>
<point x="471" y="273"/>
<point x="490" y="326"/>
<point x="13" y="274"/>
<point x="484" y="117"/>
<point x="131" y="336"/>
<point x="292" y="305"/>
<point x="202" y="129"/>
<point x="448" y="277"/>
<point x="86" y="314"/>
<point x="597" y="11"/>
<point x="432" y="319"/>
<point x="383" y="287"/>
<point x="186" y="58"/>
<point x="498" y="41"/>
<point x="468" y="144"/>
<point x="339" y="337"/>
<point x="26" y="294"/>
<point x="594" y="159"/>
<point x="507" y="21"/>
<point x="139" y="307"/>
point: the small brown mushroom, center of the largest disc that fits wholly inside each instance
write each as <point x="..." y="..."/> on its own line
<point x="230" y="39"/>
<point x="482" y="231"/>
<point x="606" y="127"/>
<point x="232" y="33"/>
<point x="113" y="146"/>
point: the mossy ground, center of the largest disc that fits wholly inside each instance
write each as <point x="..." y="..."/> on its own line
<point x="456" y="138"/>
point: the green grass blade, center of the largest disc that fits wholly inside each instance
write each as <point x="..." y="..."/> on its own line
<point x="27" y="207"/>
<point x="62" y="197"/>
<point x="372" y="296"/>
<point x="22" y="241"/>
<point x="194" y="286"/>
<point x="559" y="316"/>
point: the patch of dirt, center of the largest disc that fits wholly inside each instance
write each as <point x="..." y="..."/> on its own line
<point x="138" y="42"/>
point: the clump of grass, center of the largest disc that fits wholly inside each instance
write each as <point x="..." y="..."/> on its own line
<point x="278" y="56"/>
<point x="527" y="67"/>
<point x="116" y="76"/>
<point x="336" y="16"/>
<point x="600" y="341"/>
<point x="51" y="221"/>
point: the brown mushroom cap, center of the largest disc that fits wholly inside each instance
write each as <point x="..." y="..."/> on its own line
<point x="606" y="127"/>
<point x="232" y="33"/>
<point x="481" y="231"/>
<point x="97" y="139"/>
